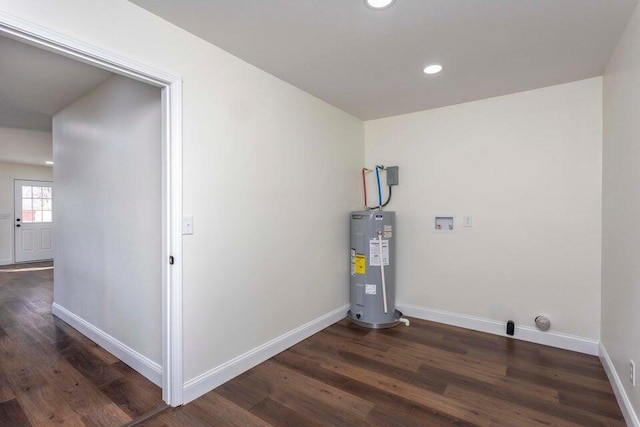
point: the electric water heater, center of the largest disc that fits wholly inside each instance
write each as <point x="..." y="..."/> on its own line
<point x="373" y="283"/>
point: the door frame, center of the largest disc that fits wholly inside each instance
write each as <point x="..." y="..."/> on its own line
<point x="17" y="203"/>
<point x="171" y="85"/>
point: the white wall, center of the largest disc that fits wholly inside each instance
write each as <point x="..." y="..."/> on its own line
<point x="621" y="208"/>
<point x="527" y="168"/>
<point x="25" y="146"/>
<point x="270" y="174"/>
<point x="8" y="173"/>
<point x="108" y="195"/>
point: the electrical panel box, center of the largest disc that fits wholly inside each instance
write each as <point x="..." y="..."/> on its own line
<point x="393" y="177"/>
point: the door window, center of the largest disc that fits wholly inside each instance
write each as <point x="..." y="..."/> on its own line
<point x="36" y="204"/>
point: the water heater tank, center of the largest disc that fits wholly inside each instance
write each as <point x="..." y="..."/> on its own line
<point x="373" y="254"/>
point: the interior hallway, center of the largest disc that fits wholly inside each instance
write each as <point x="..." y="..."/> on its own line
<point x="49" y="372"/>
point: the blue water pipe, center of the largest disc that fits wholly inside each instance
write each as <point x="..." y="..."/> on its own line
<point x="379" y="188"/>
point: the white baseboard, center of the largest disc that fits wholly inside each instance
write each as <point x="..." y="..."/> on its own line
<point x="6" y="261"/>
<point x="145" y="366"/>
<point x="209" y="380"/>
<point x="629" y="414"/>
<point x="525" y="333"/>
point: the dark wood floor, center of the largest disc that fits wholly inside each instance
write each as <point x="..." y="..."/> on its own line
<point x="50" y="374"/>
<point x="427" y="374"/>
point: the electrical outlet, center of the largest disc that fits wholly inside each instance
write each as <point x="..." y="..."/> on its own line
<point x="632" y="372"/>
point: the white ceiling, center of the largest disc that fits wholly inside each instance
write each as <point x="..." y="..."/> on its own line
<point x="369" y="62"/>
<point x="35" y="84"/>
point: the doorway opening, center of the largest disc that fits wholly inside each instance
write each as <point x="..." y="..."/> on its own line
<point x="171" y="183"/>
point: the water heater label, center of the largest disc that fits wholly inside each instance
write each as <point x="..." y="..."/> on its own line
<point x="353" y="262"/>
<point x="370" y="289"/>
<point x="374" y="252"/>
<point x="361" y="264"/>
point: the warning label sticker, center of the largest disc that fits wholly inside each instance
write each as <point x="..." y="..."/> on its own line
<point x="370" y="289"/>
<point x="361" y="264"/>
<point x="353" y="262"/>
<point x="388" y="231"/>
<point x="374" y="252"/>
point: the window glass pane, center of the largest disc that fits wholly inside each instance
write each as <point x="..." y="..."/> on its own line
<point x="38" y="217"/>
<point x="27" y="216"/>
<point x="26" y="205"/>
<point x="46" y="204"/>
<point x="46" y="216"/>
<point x="26" y="191"/>
<point x="37" y="204"/>
<point x="36" y="192"/>
<point x="46" y="192"/>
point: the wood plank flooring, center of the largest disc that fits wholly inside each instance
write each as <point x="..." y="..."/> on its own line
<point x="427" y="374"/>
<point x="50" y="374"/>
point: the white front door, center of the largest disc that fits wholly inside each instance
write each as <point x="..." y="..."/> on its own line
<point x="33" y="220"/>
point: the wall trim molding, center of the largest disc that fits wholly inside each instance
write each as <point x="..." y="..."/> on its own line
<point x="624" y="402"/>
<point x="525" y="333"/>
<point x="140" y="363"/>
<point x="6" y="261"/>
<point x="211" y="379"/>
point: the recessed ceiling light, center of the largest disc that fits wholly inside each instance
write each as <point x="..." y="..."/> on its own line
<point x="49" y="162"/>
<point x="433" y="69"/>
<point x="379" y="4"/>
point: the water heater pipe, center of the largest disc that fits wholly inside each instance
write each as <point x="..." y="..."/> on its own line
<point x="379" y="188"/>
<point x="384" y="286"/>
<point x="364" y="185"/>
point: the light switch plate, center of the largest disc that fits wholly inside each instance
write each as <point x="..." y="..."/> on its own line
<point x="187" y="224"/>
<point x="467" y="221"/>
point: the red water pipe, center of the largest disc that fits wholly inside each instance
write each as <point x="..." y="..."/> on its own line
<point x="364" y="186"/>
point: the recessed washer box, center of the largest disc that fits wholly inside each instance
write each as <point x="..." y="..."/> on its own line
<point x="444" y="223"/>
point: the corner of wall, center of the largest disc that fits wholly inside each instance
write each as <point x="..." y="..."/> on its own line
<point x="622" y="397"/>
<point x="217" y="376"/>
<point x="145" y="366"/>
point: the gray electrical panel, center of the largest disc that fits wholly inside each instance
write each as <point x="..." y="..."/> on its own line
<point x="393" y="175"/>
<point x="373" y="252"/>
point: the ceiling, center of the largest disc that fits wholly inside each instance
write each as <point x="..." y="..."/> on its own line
<point x="369" y="62"/>
<point x="35" y="84"/>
